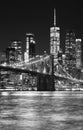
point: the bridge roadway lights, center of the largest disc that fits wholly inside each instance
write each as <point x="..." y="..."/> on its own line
<point x="45" y="83"/>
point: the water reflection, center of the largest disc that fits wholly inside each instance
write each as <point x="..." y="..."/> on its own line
<point x="41" y="111"/>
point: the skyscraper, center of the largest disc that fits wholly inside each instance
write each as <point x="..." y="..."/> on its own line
<point x="3" y="57"/>
<point x="10" y="55"/>
<point x="30" y="46"/>
<point x="78" y="53"/>
<point x="54" y="39"/>
<point x="18" y="48"/>
<point x="70" y="52"/>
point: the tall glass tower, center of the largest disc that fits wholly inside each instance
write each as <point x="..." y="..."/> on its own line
<point x="54" y="39"/>
<point x="70" y="52"/>
<point x="30" y="46"/>
<point x="78" y="53"/>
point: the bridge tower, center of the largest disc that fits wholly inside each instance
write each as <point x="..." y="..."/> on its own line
<point x="46" y="82"/>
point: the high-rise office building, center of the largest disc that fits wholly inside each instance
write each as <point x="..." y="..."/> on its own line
<point x="3" y="57"/>
<point x="10" y="55"/>
<point x="78" y="53"/>
<point x="30" y="47"/>
<point x="18" y="48"/>
<point x="70" y="52"/>
<point x="54" y="39"/>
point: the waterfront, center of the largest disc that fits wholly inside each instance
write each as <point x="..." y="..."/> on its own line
<point x="32" y="110"/>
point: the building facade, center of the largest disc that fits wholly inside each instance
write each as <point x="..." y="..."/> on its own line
<point x="54" y="39"/>
<point x="11" y="55"/>
<point x="17" y="45"/>
<point x="70" y="52"/>
<point x="3" y="57"/>
<point x="78" y="53"/>
<point x="60" y="60"/>
<point x="30" y="47"/>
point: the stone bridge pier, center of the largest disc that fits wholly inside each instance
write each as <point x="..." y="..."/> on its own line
<point x="45" y="83"/>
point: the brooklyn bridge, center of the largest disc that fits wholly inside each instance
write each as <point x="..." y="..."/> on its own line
<point x="40" y="73"/>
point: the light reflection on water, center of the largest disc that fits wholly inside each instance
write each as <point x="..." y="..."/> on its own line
<point x="41" y="111"/>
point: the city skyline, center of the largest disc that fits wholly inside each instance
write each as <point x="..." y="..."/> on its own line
<point x="47" y="31"/>
<point x="17" y="19"/>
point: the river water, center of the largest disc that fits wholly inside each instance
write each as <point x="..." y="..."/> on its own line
<point x="61" y="110"/>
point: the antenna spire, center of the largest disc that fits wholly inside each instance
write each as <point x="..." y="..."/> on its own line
<point x="54" y="17"/>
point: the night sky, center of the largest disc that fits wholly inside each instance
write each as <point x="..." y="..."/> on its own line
<point x="20" y="17"/>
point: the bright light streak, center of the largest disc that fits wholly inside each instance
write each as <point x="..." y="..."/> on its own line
<point x="44" y="71"/>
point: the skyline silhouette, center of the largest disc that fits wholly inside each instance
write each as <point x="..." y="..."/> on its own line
<point x="19" y="18"/>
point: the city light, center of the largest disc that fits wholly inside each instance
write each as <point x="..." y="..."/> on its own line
<point x="64" y="66"/>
